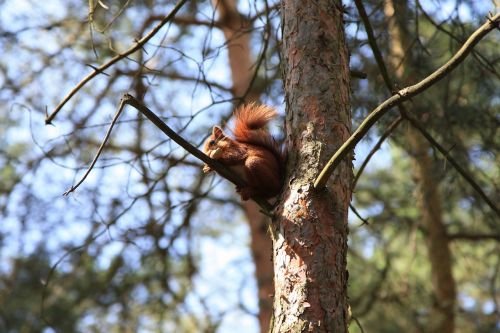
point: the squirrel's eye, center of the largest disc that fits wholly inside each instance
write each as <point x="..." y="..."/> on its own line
<point x="212" y="142"/>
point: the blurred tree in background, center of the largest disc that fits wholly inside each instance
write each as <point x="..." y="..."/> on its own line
<point x="149" y="243"/>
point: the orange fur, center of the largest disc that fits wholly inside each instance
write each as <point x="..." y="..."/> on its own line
<point x="253" y="153"/>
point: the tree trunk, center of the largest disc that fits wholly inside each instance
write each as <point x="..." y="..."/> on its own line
<point x="442" y="317"/>
<point x="310" y="230"/>
<point x="237" y="33"/>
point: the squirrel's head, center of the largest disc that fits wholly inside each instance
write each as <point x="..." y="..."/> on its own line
<point x="216" y="143"/>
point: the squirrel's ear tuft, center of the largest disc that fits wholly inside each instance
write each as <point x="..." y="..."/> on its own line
<point x="217" y="132"/>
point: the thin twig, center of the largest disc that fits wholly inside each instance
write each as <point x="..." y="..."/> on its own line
<point x="355" y="211"/>
<point x="385" y="75"/>
<point x="401" y="96"/>
<point x="391" y="128"/>
<point x="373" y="43"/>
<point x="358" y="323"/>
<point x="479" y="57"/>
<point x="128" y="99"/>
<point x="99" y="151"/>
<point x="138" y="45"/>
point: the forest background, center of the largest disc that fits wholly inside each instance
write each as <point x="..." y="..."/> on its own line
<point x="149" y="243"/>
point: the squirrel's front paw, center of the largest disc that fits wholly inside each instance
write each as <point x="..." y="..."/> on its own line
<point x="206" y="169"/>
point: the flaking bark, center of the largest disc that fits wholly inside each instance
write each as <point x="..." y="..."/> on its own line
<point x="311" y="226"/>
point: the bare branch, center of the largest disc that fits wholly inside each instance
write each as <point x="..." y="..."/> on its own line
<point x="99" y="151"/>
<point x="403" y="95"/>
<point x="215" y="165"/>
<point x="358" y="323"/>
<point x="138" y="45"/>
<point x="373" y="43"/>
<point x="355" y="211"/>
<point x="392" y="127"/>
<point x="479" y="57"/>
<point x="404" y="113"/>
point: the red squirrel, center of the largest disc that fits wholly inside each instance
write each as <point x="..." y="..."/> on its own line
<point x="253" y="154"/>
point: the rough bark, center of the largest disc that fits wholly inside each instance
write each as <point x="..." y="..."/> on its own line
<point x="442" y="318"/>
<point x="311" y="226"/>
<point x="236" y="31"/>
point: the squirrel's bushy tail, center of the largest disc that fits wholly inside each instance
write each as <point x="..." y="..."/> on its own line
<point x="250" y="120"/>
<point x="249" y="128"/>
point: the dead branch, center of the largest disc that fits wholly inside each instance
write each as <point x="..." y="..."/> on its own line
<point x="99" y="151"/>
<point x="128" y="99"/>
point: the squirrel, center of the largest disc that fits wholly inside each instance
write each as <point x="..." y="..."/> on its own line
<point x="253" y="154"/>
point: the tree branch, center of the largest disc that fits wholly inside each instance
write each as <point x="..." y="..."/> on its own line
<point x="373" y="43"/>
<point x="138" y="45"/>
<point x="407" y="115"/>
<point x="215" y="165"/>
<point x="482" y="60"/>
<point x="377" y="146"/>
<point x="403" y="95"/>
<point x="355" y="211"/>
<point x="99" y="151"/>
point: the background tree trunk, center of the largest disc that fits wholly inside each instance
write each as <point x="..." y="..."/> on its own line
<point x="237" y="33"/>
<point x="442" y="317"/>
<point x="311" y="228"/>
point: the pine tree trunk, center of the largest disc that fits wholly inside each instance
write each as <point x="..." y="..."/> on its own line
<point x="442" y="316"/>
<point x="311" y="227"/>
